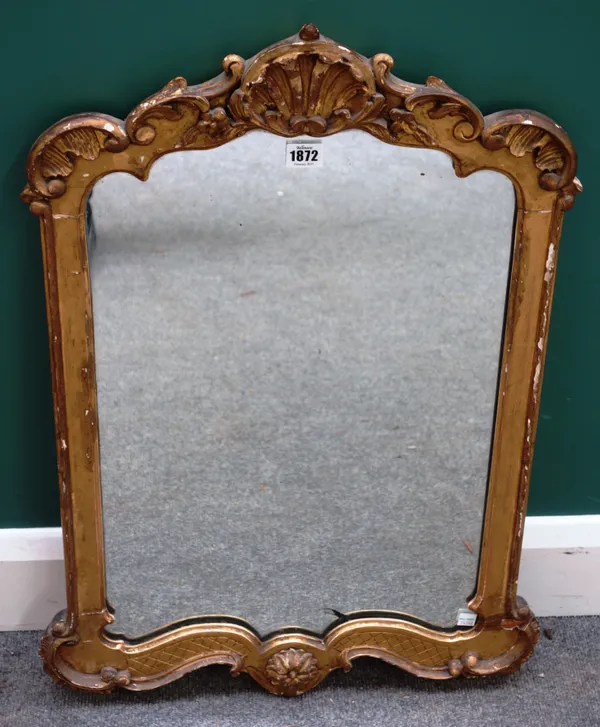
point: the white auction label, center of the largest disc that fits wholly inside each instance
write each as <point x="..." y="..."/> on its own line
<point x="466" y="617"/>
<point x="303" y="154"/>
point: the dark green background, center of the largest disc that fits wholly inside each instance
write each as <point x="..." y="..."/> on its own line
<point x="74" y="55"/>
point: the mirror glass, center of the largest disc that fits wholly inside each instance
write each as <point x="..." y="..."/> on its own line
<point x="297" y="373"/>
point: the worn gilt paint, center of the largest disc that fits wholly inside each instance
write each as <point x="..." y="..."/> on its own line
<point x="304" y="85"/>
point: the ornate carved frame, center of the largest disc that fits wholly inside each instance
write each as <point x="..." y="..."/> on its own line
<point x="305" y="85"/>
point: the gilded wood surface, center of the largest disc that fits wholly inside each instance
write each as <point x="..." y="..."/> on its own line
<point x="304" y="85"/>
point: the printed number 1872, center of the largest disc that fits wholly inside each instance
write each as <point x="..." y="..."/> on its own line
<point x="304" y="155"/>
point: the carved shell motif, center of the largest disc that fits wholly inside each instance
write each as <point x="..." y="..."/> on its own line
<point x="307" y="93"/>
<point x="292" y="670"/>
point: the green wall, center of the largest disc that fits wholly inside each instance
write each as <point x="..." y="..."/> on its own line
<point x="75" y="55"/>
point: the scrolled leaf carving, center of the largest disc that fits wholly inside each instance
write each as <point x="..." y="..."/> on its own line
<point x="393" y="87"/>
<point x="443" y="101"/>
<point x="526" y="133"/>
<point x="440" y="100"/>
<point x="163" y="105"/>
<point x="53" y="157"/>
<point x="204" y="101"/>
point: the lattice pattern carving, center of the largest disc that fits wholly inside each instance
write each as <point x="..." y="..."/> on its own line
<point x="173" y="655"/>
<point x="414" y="648"/>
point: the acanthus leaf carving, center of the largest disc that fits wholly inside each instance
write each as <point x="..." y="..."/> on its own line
<point x="53" y="157"/>
<point x="404" y="125"/>
<point x="57" y="159"/>
<point x="527" y="133"/>
<point x="213" y="124"/>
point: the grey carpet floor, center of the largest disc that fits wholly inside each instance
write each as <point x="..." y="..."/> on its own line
<point x="558" y="687"/>
<point x="297" y="374"/>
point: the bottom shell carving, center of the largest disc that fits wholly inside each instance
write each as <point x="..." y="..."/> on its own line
<point x="292" y="671"/>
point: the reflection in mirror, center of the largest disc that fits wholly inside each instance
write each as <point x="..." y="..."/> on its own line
<point x="297" y="374"/>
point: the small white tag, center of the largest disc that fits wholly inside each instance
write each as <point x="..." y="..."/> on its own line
<point x="303" y="154"/>
<point x="466" y="617"/>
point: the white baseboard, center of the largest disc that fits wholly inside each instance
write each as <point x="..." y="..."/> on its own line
<point x="32" y="577"/>
<point x="560" y="565"/>
<point x="559" y="571"/>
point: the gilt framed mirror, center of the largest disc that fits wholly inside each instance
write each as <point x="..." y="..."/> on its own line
<point x="298" y="319"/>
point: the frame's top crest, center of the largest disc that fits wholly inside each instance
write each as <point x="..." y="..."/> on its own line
<point x="307" y="84"/>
